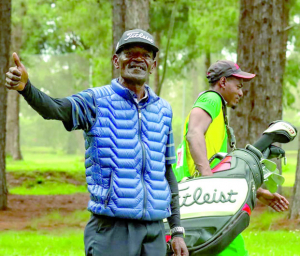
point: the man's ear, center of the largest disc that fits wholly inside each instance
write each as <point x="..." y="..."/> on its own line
<point x="222" y="82"/>
<point x="115" y="60"/>
<point x="153" y="66"/>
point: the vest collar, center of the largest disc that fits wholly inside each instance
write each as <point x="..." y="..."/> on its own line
<point x="125" y="92"/>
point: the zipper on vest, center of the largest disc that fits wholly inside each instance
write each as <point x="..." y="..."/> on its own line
<point x="143" y="161"/>
<point x="109" y="189"/>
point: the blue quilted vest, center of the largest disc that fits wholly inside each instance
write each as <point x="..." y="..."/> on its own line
<point x="125" y="155"/>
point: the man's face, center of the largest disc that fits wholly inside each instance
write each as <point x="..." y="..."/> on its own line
<point x="233" y="91"/>
<point x="135" y="63"/>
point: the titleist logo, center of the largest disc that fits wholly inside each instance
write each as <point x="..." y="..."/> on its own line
<point x="138" y="35"/>
<point x="207" y="198"/>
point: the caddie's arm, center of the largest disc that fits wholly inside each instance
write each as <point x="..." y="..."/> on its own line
<point x="198" y="125"/>
<point x="276" y="201"/>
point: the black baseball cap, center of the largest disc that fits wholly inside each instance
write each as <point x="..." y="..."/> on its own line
<point x="226" y="68"/>
<point x="136" y="36"/>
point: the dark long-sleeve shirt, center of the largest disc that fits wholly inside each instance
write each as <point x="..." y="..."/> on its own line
<point x="76" y="113"/>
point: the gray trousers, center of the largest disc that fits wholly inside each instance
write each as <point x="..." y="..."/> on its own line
<point x="107" y="236"/>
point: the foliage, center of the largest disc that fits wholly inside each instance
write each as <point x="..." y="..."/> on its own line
<point x="56" y="27"/>
<point x="88" y="24"/>
<point x="83" y="28"/>
<point x="291" y="81"/>
<point x="200" y="27"/>
<point x="292" y="75"/>
<point x="222" y="17"/>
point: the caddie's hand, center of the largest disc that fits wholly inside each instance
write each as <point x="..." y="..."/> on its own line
<point x="16" y="77"/>
<point x="205" y="171"/>
<point x="179" y="247"/>
<point x="278" y="202"/>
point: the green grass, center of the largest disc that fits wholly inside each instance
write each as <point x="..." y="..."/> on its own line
<point x="47" y="172"/>
<point x="70" y="243"/>
<point x="39" y="163"/>
<point x="46" y="243"/>
<point x="263" y="238"/>
<point x="260" y="241"/>
<point x="272" y="243"/>
<point x="45" y="162"/>
<point x="50" y="188"/>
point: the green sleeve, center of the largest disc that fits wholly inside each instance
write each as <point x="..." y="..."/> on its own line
<point x="210" y="102"/>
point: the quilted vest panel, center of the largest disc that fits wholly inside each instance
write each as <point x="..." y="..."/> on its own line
<point x="125" y="155"/>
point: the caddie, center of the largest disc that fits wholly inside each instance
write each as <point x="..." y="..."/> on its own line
<point x="129" y="152"/>
<point x="206" y="132"/>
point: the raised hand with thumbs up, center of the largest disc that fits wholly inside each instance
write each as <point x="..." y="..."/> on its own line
<point x="16" y="77"/>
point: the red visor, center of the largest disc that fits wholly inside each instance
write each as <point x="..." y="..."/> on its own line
<point x="244" y="75"/>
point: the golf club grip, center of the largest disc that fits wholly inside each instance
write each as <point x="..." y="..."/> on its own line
<point x="264" y="142"/>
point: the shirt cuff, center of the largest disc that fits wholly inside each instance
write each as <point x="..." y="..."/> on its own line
<point x="26" y="89"/>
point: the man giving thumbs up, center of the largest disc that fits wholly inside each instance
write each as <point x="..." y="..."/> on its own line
<point x="129" y="152"/>
<point x="16" y="77"/>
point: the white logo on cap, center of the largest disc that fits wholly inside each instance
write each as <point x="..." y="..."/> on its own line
<point x="138" y="35"/>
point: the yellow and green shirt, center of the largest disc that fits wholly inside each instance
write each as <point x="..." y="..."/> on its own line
<point x="216" y="135"/>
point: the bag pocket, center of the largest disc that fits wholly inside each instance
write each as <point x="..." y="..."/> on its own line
<point x="224" y="238"/>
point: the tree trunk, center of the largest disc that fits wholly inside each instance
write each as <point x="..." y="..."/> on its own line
<point x="137" y="14"/>
<point x="5" y="16"/>
<point x="156" y="84"/>
<point x="128" y="14"/>
<point x="195" y="80"/>
<point x="207" y="63"/>
<point x="13" y="97"/>
<point x="13" y="125"/>
<point x="261" y="50"/>
<point x="118" y="27"/>
<point x="295" y="207"/>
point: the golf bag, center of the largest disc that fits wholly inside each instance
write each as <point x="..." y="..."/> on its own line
<point x="215" y="209"/>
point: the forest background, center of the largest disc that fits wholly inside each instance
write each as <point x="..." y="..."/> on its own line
<point x="67" y="46"/>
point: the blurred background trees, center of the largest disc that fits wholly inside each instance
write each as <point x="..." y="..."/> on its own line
<point x="204" y="31"/>
<point x="67" y="47"/>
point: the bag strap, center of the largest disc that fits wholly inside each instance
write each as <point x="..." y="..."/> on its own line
<point x="230" y="131"/>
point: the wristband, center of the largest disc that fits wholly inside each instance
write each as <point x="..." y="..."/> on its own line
<point x="177" y="230"/>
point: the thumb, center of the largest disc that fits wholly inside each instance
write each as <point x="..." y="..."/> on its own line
<point x="17" y="60"/>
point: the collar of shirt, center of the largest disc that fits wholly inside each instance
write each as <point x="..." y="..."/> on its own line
<point x="134" y="96"/>
<point x="142" y="99"/>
